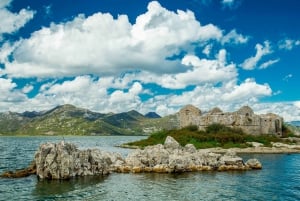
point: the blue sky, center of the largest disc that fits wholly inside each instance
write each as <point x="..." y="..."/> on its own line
<point x="119" y="55"/>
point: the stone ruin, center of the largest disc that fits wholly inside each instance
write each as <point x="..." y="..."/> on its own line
<point x="244" y="118"/>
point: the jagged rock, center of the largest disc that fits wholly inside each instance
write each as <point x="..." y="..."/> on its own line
<point x="171" y="143"/>
<point x="230" y="158"/>
<point x="174" y="158"/>
<point x="253" y="164"/>
<point x="64" y="160"/>
<point x="190" y="148"/>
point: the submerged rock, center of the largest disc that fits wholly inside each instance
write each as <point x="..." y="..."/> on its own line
<point x="65" y="160"/>
<point x="20" y="173"/>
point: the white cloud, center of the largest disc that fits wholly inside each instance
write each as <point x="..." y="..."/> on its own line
<point x="297" y="104"/>
<point x="290" y="111"/>
<point x="102" y="45"/>
<point x="91" y="93"/>
<point x="198" y="72"/>
<point x="9" y="94"/>
<point x="5" y="50"/>
<point x="234" y="38"/>
<point x="124" y="58"/>
<point x="28" y="88"/>
<point x="207" y="50"/>
<point x="288" y="44"/>
<point x="268" y="63"/>
<point x="248" y="89"/>
<point x="12" y="22"/>
<point x="261" y="50"/>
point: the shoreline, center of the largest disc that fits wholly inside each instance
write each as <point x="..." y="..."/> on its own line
<point x="248" y="150"/>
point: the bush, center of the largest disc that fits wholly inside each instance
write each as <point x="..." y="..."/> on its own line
<point x="191" y="128"/>
<point x="220" y="128"/>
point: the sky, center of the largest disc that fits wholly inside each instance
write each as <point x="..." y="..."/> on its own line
<point x="121" y="55"/>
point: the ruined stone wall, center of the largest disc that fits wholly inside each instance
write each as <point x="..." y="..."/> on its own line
<point x="244" y="118"/>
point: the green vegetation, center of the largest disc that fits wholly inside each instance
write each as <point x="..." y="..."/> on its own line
<point x="70" y="120"/>
<point x="216" y="135"/>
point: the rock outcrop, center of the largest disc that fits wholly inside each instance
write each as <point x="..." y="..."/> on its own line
<point x="244" y="119"/>
<point x="65" y="160"/>
<point x="171" y="158"/>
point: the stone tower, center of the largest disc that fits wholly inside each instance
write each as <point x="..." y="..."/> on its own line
<point x="189" y="115"/>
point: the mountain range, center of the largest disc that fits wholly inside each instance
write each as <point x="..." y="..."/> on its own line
<point x="70" y="120"/>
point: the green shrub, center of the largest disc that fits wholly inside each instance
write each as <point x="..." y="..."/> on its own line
<point x="191" y="128"/>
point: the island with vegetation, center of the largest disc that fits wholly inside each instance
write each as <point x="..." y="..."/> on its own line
<point x="219" y="138"/>
<point x="242" y="129"/>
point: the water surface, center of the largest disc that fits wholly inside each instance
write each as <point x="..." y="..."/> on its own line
<point x="278" y="180"/>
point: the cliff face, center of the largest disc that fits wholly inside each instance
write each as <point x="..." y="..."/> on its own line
<point x="244" y="118"/>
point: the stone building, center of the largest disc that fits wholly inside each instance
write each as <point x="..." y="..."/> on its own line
<point x="244" y="118"/>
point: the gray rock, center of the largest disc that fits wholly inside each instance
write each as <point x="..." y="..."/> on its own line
<point x="190" y="148"/>
<point x="64" y="160"/>
<point x="253" y="164"/>
<point x="171" y="143"/>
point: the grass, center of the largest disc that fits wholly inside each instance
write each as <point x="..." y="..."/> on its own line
<point x="216" y="135"/>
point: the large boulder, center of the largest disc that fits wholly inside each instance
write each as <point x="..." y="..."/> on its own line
<point x="253" y="164"/>
<point x="64" y="160"/>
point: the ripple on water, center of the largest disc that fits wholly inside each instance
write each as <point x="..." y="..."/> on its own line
<point x="278" y="180"/>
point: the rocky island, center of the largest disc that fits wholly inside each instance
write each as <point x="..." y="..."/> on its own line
<point x="64" y="161"/>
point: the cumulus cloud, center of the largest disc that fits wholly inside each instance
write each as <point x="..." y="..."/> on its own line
<point x="126" y="58"/>
<point x="246" y="90"/>
<point x="102" y="45"/>
<point x="197" y="72"/>
<point x="9" y="94"/>
<point x="12" y="22"/>
<point x="261" y="50"/>
<point x="96" y="94"/>
<point x="290" y="111"/>
<point x="297" y="104"/>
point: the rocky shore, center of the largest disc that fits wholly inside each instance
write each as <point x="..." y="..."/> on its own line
<point x="64" y="161"/>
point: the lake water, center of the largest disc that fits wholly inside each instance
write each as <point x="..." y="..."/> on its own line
<point x="278" y="180"/>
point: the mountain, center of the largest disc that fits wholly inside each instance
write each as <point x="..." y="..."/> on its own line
<point x="10" y="122"/>
<point x="152" y="115"/>
<point x="294" y="123"/>
<point x="70" y="120"/>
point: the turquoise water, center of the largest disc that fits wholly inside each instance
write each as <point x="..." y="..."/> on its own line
<point x="279" y="179"/>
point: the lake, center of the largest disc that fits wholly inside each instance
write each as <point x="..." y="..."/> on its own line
<point x="278" y="180"/>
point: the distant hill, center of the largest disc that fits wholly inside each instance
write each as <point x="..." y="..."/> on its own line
<point x="152" y="115"/>
<point x="70" y="120"/>
<point x="294" y="123"/>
